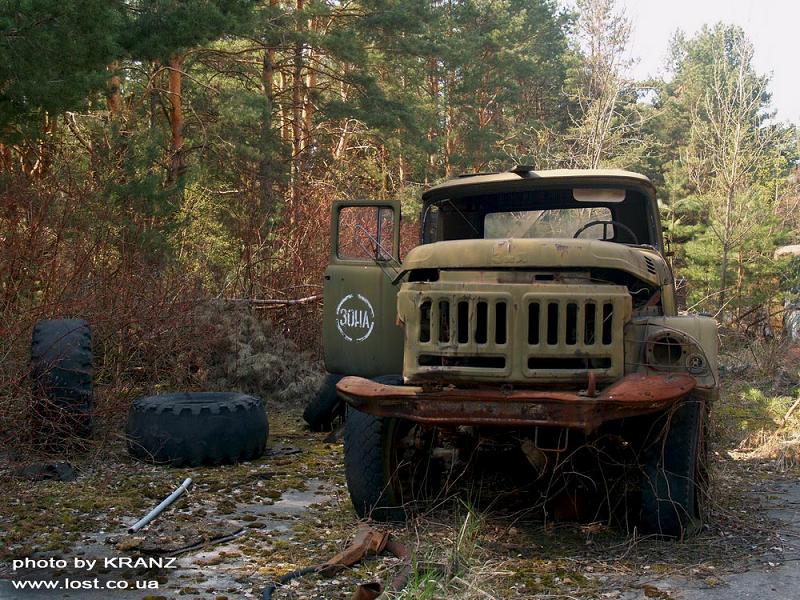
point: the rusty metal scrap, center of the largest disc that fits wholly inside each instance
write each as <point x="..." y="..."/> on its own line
<point x="633" y="395"/>
<point x="367" y="591"/>
<point x="367" y="542"/>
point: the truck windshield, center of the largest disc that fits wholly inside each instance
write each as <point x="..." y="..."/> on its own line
<point x="553" y="223"/>
<point x="545" y="213"/>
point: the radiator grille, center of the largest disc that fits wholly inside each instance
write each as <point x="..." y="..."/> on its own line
<point x="514" y="332"/>
<point x="581" y="324"/>
<point x="464" y="321"/>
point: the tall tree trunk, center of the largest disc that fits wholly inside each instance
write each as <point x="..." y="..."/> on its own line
<point x="285" y="110"/>
<point x="383" y="154"/>
<point x="308" y="111"/>
<point x="268" y="83"/>
<point x="297" y="110"/>
<point x="341" y="145"/>
<point x="310" y="86"/>
<point x="114" y="91"/>
<point x="723" y="281"/>
<point x="266" y="174"/>
<point x="449" y="133"/>
<point x="723" y="269"/>
<point x="43" y="153"/>
<point x="433" y="79"/>
<point x="739" y="283"/>
<point x="178" y="161"/>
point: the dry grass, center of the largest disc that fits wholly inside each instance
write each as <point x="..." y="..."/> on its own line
<point x="758" y="415"/>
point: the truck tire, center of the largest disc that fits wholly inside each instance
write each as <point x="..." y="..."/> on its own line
<point x="673" y="485"/>
<point x="61" y="370"/>
<point x="368" y="478"/>
<point x="198" y="428"/>
<point x="325" y="406"/>
<point x="384" y="482"/>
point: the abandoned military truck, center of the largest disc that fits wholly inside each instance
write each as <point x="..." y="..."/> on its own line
<point x="538" y="316"/>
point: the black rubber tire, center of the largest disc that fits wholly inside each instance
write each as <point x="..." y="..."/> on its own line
<point x="62" y="374"/>
<point x="369" y="481"/>
<point x="672" y="485"/>
<point x="199" y="428"/>
<point x="388" y="481"/>
<point x="325" y="406"/>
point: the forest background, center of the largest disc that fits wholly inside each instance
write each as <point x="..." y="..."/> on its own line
<point x="163" y="161"/>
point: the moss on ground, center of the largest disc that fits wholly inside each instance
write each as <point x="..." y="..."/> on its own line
<point x="460" y="551"/>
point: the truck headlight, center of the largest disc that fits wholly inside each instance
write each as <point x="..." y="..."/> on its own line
<point x="675" y="351"/>
<point x="667" y="350"/>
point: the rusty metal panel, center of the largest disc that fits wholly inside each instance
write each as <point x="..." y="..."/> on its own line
<point x="360" y="333"/>
<point x="455" y="345"/>
<point x="633" y="395"/>
<point x="697" y="336"/>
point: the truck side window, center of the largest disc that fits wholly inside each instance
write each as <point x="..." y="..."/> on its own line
<point x="365" y="233"/>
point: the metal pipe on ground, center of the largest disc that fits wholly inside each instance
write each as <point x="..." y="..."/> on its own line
<point x="160" y="508"/>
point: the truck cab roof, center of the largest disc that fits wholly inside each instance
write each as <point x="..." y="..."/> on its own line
<point x="618" y="206"/>
<point x="525" y="178"/>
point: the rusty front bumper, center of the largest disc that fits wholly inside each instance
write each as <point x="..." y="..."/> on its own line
<point x="633" y="395"/>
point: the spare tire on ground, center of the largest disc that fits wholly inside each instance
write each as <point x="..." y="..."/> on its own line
<point x="325" y="406"/>
<point x="198" y="428"/>
<point x="61" y="369"/>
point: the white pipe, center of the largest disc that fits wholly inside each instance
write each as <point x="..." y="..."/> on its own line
<point x="164" y="504"/>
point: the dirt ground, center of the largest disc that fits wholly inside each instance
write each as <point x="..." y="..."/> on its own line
<point x="242" y="526"/>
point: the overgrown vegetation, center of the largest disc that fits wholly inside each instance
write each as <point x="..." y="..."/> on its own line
<point x="759" y="417"/>
<point x="155" y="155"/>
<point x="472" y="545"/>
<point x="166" y="166"/>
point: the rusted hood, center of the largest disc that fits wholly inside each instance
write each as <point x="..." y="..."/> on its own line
<point x="537" y="253"/>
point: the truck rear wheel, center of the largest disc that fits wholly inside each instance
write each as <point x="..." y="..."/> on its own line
<point x="385" y="474"/>
<point x="325" y="406"/>
<point x="673" y="480"/>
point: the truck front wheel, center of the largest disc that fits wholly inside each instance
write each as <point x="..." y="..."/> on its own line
<point x="387" y="463"/>
<point x="673" y="471"/>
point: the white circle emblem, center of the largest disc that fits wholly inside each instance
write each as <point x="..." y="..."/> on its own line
<point x="355" y="318"/>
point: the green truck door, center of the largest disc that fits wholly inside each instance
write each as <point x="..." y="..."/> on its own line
<point x="360" y="333"/>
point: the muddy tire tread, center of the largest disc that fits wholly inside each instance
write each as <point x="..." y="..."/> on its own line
<point x="366" y="470"/>
<point x="197" y="428"/>
<point x="671" y="488"/>
<point x="325" y="406"/>
<point x="62" y="374"/>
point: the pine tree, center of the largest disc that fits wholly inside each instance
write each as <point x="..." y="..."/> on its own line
<point x="53" y="58"/>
